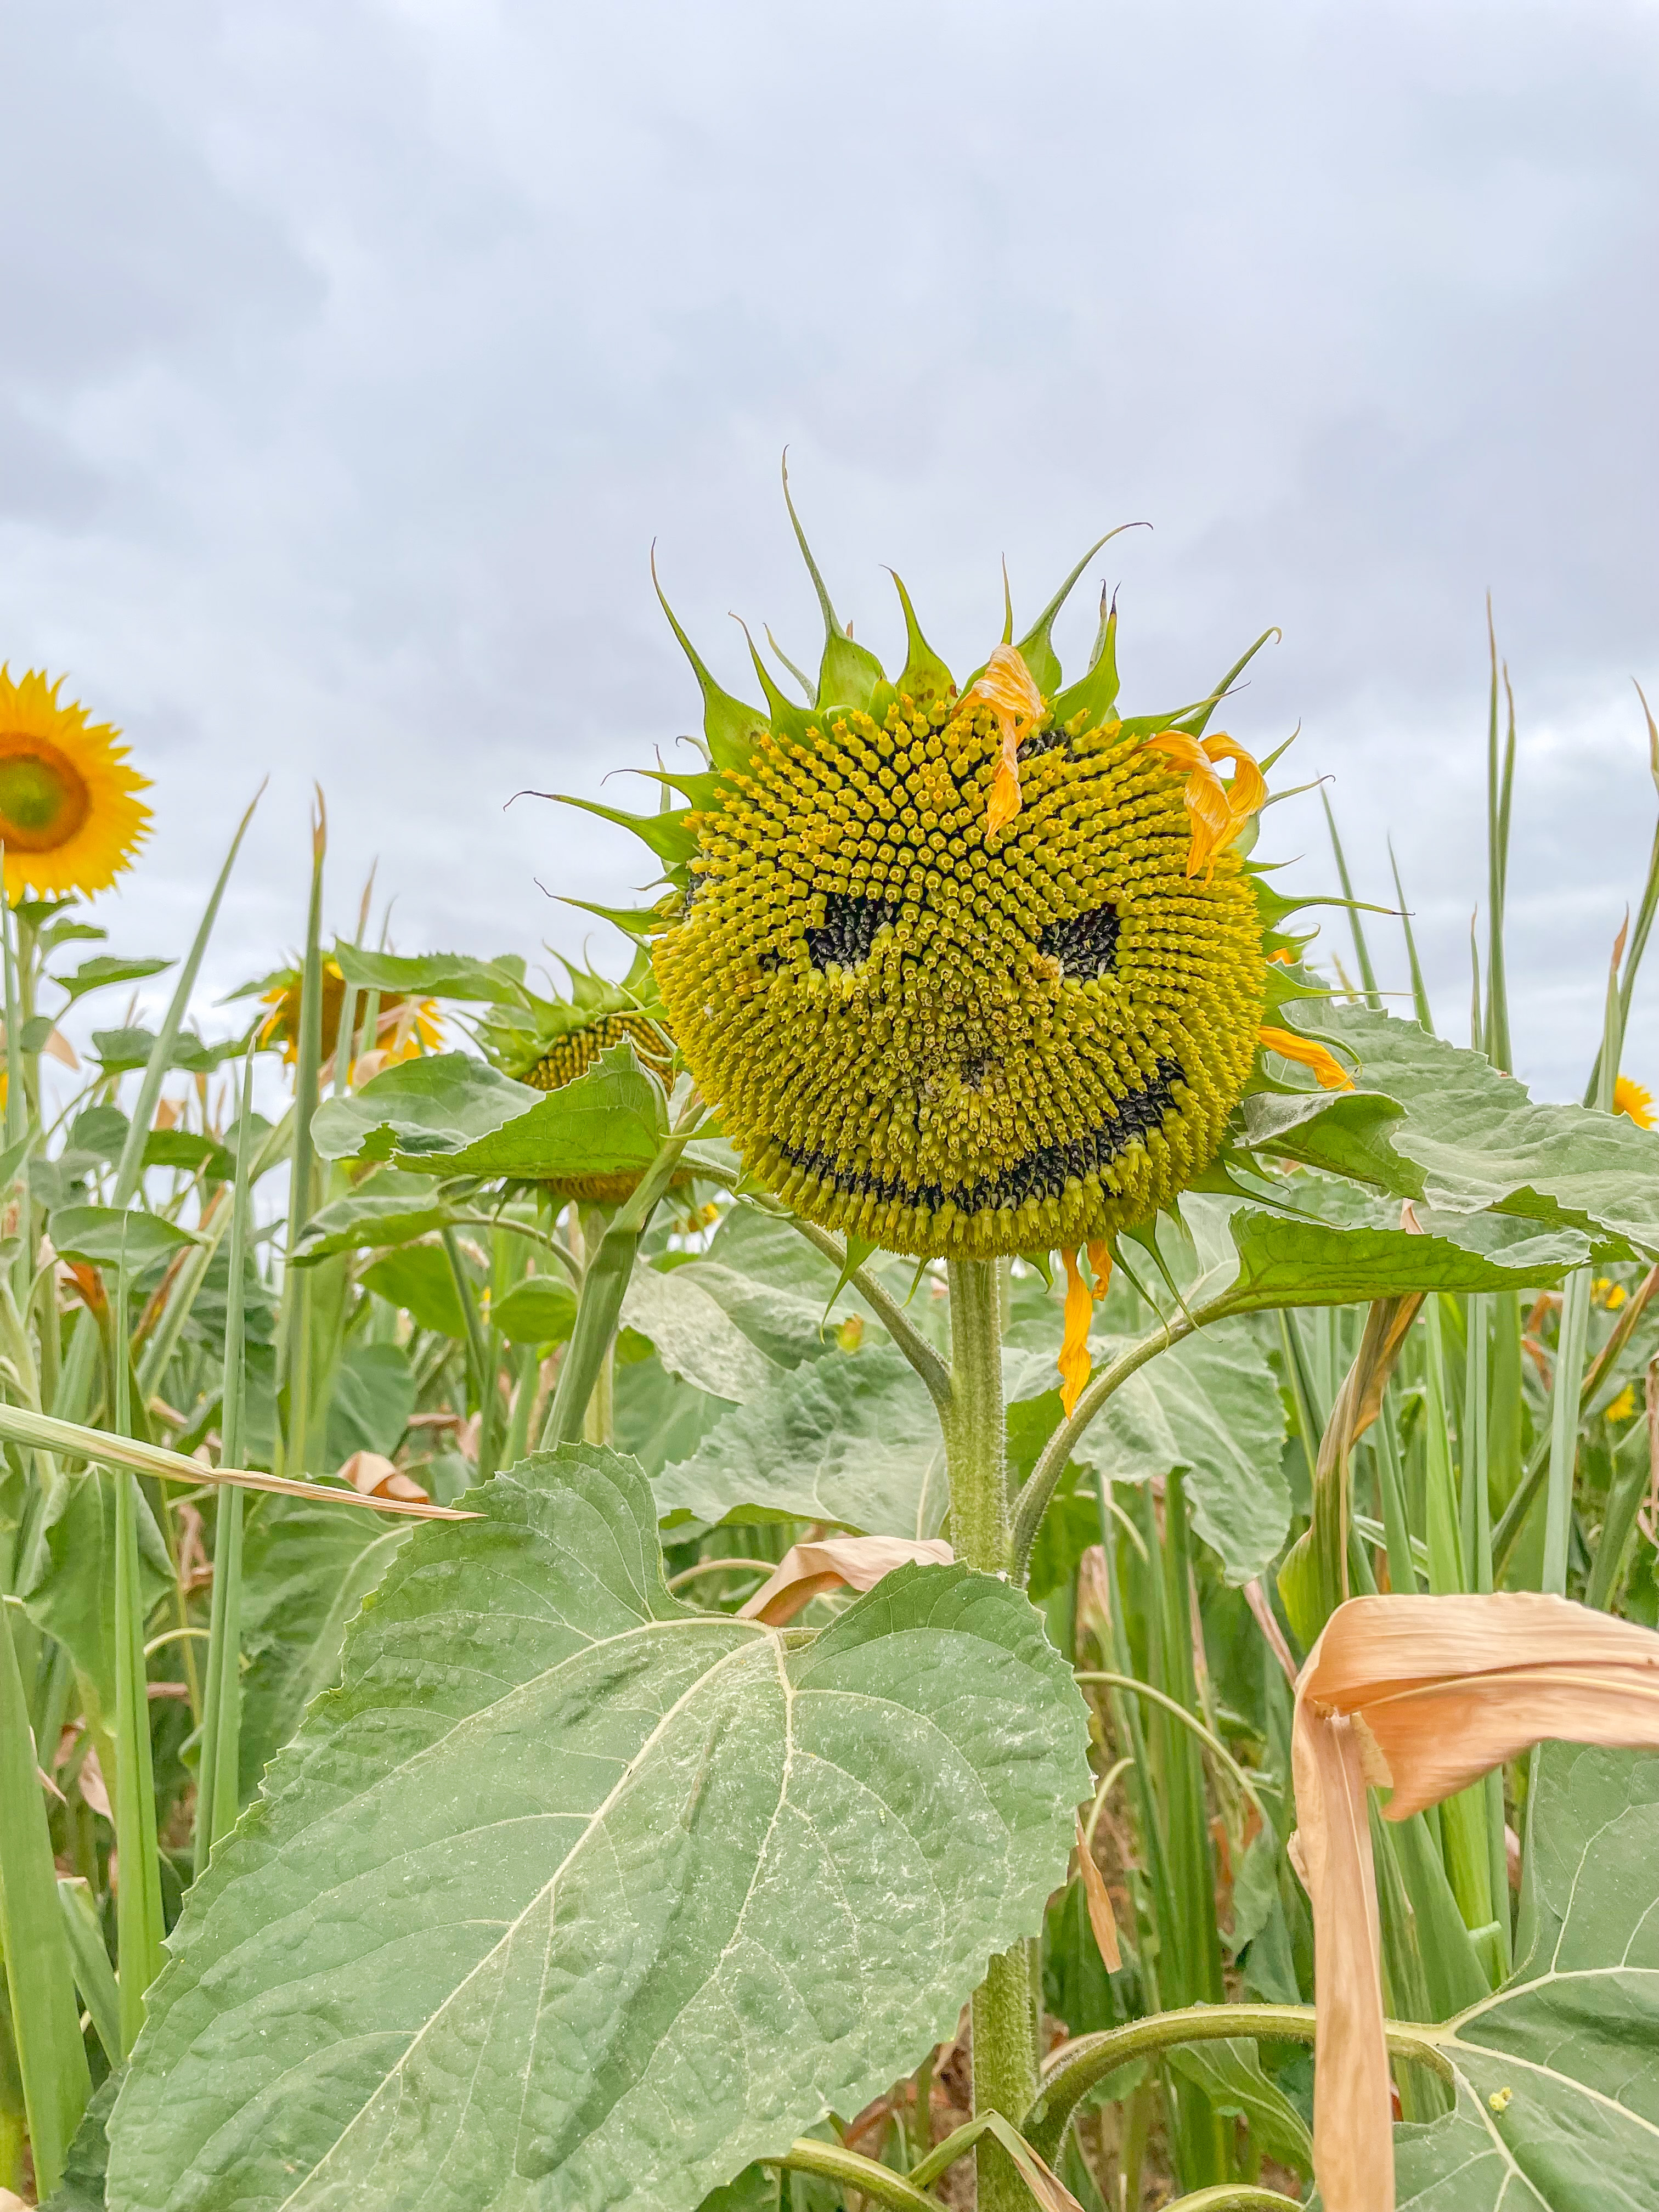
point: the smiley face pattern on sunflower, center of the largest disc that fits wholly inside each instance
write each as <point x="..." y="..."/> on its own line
<point x="952" y="1041"/>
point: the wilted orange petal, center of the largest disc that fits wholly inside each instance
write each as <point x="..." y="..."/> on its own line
<point x="858" y="1562"/>
<point x="1332" y="1075"/>
<point x="1008" y="689"/>
<point x="1100" y="1266"/>
<point x="1074" y="1362"/>
<point x="1249" y="793"/>
<point x="1205" y="793"/>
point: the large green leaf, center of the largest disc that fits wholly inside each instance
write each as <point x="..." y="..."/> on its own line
<point x="424" y="1109"/>
<point x="1450" y="1128"/>
<point x="852" y="1438"/>
<point x="433" y="975"/>
<point x="72" y="1597"/>
<point x="1211" y="1407"/>
<point x="306" y="1569"/>
<point x="693" y="1336"/>
<point x="538" y="1309"/>
<point x="110" y="1236"/>
<point x="419" y="1278"/>
<point x="369" y="1407"/>
<point x="1557" y="2074"/>
<point x="617" y="1902"/>
<point x="372" y="1222"/>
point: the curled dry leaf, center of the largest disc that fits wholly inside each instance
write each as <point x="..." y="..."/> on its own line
<point x="1424" y="1695"/>
<point x="859" y="1562"/>
<point x="372" y="1475"/>
<point x="1102" y="1918"/>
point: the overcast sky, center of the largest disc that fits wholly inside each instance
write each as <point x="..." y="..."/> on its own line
<point x="351" y="358"/>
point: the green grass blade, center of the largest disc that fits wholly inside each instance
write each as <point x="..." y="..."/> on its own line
<point x="1361" y="950"/>
<point x="1564" y="1427"/>
<point x="94" y="1974"/>
<point x="1493" y="1038"/>
<point x="129" y="1168"/>
<point x="1420" y="989"/>
<point x="46" y="2019"/>
<point x="138" y="1922"/>
<point x="298" y="1289"/>
<point x="221" y="1718"/>
<point x="1403" y="1569"/>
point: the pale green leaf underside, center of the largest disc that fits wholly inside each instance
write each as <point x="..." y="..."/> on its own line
<point x="852" y="1438"/>
<point x="1470" y="1137"/>
<point x="619" y="1898"/>
<point x="1574" y="2038"/>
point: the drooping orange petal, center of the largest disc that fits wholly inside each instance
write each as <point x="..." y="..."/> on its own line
<point x="1249" y="792"/>
<point x="1425" y="1694"/>
<point x="1008" y="689"/>
<point x="1074" y="1362"/>
<point x="1204" y="793"/>
<point x="858" y="1562"/>
<point x="1332" y="1075"/>
<point x="1100" y="1266"/>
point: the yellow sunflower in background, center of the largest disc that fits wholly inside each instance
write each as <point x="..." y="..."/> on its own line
<point x="405" y="1027"/>
<point x="1631" y="1098"/>
<point x="70" y="819"/>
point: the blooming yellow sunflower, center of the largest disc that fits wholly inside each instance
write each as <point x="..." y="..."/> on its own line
<point x="70" y="819"/>
<point x="970" y="969"/>
<point x="1631" y="1098"/>
<point x="405" y="1026"/>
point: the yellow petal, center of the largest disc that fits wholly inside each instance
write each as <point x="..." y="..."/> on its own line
<point x="1074" y="1361"/>
<point x="1631" y="1098"/>
<point x="1427" y="1694"/>
<point x="1249" y="792"/>
<point x="1205" y="793"/>
<point x="1100" y="1267"/>
<point x="1332" y="1075"/>
<point x="1008" y="689"/>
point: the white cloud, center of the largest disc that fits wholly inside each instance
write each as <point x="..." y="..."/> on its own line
<point x="355" y="356"/>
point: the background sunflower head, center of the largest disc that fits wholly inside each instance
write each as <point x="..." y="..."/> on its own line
<point x="549" y="1042"/>
<point x="70" y="818"/>
<point x="403" y="1028"/>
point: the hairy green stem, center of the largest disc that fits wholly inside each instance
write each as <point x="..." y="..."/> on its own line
<point x="878" y="2183"/>
<point x="1077" y="2066"/>
<point x="1004" y="2027"/>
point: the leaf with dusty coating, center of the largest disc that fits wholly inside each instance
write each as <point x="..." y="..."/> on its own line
<point x="522" y="1925"/>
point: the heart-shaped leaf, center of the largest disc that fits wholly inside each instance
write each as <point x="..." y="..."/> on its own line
<point x="616" y="1900"/>
<point x="1557" y="2074"/>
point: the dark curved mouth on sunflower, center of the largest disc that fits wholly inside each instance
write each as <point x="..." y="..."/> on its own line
<point x="1085" y="944"/>
<point x="1042" y="1173"/>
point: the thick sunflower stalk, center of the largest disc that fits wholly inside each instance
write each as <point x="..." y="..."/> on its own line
<point x="971" y="971"/>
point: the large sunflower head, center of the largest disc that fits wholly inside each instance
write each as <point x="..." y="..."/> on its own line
<point x="970" y="969"/>
<point x="70" y="818"/>
<point x="548" y="1042"/>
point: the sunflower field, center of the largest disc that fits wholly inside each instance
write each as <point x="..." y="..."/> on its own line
<point x="983" y="1538"/>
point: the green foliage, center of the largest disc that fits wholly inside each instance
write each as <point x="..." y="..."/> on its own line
<point x="399" y="1926"/>
<point x="1558" y="2075"/>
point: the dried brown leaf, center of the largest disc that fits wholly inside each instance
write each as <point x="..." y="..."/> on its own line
<point x="1102" y="1918"/>
<point x="858" y="1562"/>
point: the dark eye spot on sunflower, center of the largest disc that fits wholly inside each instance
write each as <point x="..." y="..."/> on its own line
<point x="1042" y="1173"/>
<point x="847" y="930"/>
<point x="1045" y="741"/>
<point x="767" y="963"/>
<point x="1086" y="945"/>
<point x="975" y="1068"/>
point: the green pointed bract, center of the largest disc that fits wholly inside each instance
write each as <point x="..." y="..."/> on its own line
<point x="848" y="673"/>
<point x="1096" y="694"/>
<point x="924" y="676"/>
<point x="783" y="712"/>
<point x="1198" y="718"/>
<point x="1036" y="648"/>
<point x="669" y="836"/>
<point x="800" y="674"/>
<point x="729" y="726"/>
<point x="639" y="922"/>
